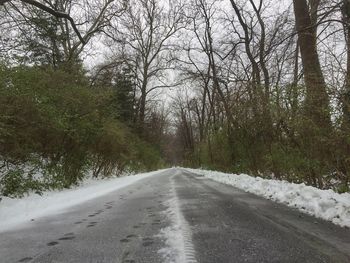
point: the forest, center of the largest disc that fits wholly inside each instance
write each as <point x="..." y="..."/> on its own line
<point x="104" y="87"/>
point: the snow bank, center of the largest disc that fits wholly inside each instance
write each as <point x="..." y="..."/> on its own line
<point x="16" y="212"/>
<point x="177" y="236"/>
<point x="325" y="204"/>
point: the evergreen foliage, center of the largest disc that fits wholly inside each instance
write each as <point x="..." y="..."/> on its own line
<point x="53" y="120"/>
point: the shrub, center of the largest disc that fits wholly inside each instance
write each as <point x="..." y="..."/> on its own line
<point x="69" y="126"/>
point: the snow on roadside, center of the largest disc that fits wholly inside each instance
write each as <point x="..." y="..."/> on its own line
<point x="325" y="204"/>
<point x="16" y="212"/>
<point x="177" y="235"/>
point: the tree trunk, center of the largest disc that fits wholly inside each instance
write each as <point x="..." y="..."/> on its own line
<point x="346" y="93"/>
<point x="142" y="108"/>
<point x="317" y="101"/>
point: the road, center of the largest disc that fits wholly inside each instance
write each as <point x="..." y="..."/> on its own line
<point x="223" y="224"/>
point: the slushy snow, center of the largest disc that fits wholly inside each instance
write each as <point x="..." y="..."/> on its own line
<point x="325" y="204"/>
<point x="177" y="236"/>
<point x="16" y="212"/>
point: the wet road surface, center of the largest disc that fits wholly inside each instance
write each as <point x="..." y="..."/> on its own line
<point x="225" y="225"/>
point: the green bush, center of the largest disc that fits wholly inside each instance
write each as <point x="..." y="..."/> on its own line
<point x="69" y="126"/>
<point x="15" y="183"/>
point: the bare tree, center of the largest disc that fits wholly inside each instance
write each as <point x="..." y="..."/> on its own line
<point x="317" y="101"/>
<point x="145" y="33"/>
<point x="49" y="25"/>
<point x="51" y="11"/>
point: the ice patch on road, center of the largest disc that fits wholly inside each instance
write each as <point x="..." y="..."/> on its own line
<point x="325" y="204"/>
<point x="16" y="212"/>
<point x="177" y="236"/>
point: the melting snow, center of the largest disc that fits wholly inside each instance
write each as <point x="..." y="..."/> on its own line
<point x="16" y="212"/>
<point x="177" y="236"/>
<point x="325" y="204"/>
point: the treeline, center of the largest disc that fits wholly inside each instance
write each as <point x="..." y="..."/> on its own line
<point x="63" y="115"/>
<point x="263" y="87"/>
<point x="269" y="90"/>
<point x="56" y="128"/>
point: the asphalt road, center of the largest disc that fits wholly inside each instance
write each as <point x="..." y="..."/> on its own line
<point x="225" y="225"/>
